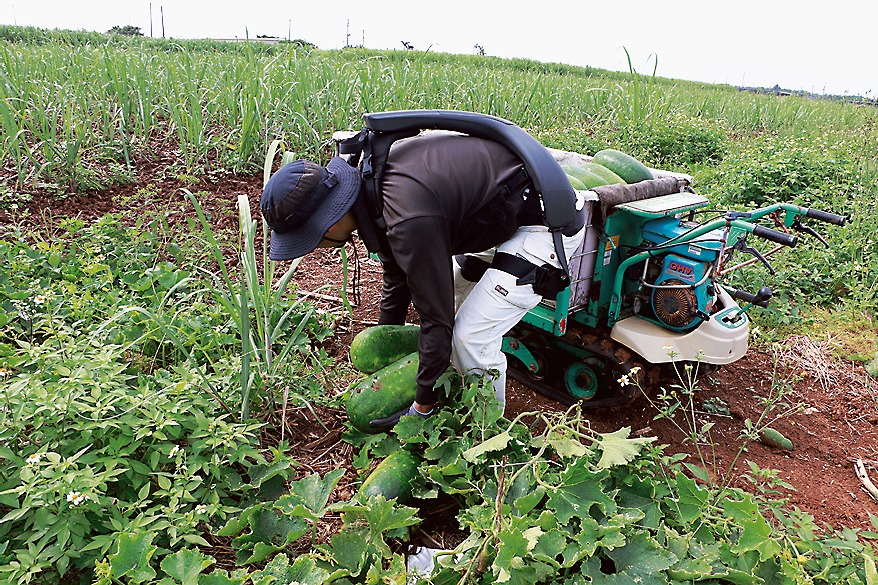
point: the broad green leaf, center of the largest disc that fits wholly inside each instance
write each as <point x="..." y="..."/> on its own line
<point x="133" y="556"/>
<point x="186" y="565"/>
<point x="237" y="524"/>
<point x="221" y="577"/>
<point x="528" y="502"/>
<point x="567" y="448"/>
<point x="652" y="513"/>
<point x="509" y="565"/>
<point x="303" y="571"/>
<point x="196" y="539"/>
<point x="395" y="572"/>
<point x="496" y="443"/>
<point x="532" y="535"/>
<point x="740" y="510"/>
<point x="691" y="570"/>
<point x="260" y="473"/>
<point x="699" y="472"/>
<point x="264" y="525"/>
<point x="312" y="493"/>
<point x="691" y="499"/>
<point x="347" y="549"/>
<point x="585" y="544"/>
<point x="384" y="515"/>
<point x="756" y="536"/>
<point x="549" y="544"/>
<point x="512" y="545"/>
<point x="576" y="500"/>
<point x="737" y="577"/>
<point x="261" y="551"/>
<point x="292" y="529"/>
<point x="641" y="561"/>
<point x="618" y="449"/>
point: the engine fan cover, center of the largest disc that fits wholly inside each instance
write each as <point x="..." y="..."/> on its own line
<point x="675" y="307"/>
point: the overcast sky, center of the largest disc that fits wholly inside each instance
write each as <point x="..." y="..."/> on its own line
<point x="824" y="47"/>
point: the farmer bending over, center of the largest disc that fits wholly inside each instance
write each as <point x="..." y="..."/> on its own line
<point x="444" y="195"/>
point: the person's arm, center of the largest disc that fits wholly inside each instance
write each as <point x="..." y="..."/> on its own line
<point x="423" y="252"/>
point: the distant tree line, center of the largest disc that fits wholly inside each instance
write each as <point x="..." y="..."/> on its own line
<point x="779" y="91"/>
<point x="133" y="31"/>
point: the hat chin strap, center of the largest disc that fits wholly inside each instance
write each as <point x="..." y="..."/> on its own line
<point x="342" y="242"/>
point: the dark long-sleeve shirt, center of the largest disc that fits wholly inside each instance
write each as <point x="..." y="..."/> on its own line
<point x="437" y="190"/>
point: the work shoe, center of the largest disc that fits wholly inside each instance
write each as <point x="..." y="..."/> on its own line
<point x="387" y="423"/>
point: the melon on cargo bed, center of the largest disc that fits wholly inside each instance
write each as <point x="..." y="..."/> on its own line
<point x="626" y="166"/>
<point x="589" y="179"/>
<point x="606" y="174"/>
<point x="575" y="182"/>
<point x="382" y="393"/>
<point x="376" y="347"/>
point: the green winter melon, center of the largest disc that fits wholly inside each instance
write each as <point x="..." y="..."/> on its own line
<point x="376" y="347"/>
<point x="588" y="178"/>
<point x="384" y="392"/>
<point x="393" y="478"/>
<point x="774" y="438"/>
<point x="626" y="166"/>
<point x="606" y="174"/>
<point x="575" y="183"/>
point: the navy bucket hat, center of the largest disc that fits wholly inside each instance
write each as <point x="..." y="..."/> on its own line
<point x="302" y="200"/>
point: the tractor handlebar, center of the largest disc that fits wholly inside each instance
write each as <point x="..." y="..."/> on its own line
<point x="760" y="299"/>
<point x="832" y="218"/>
<point x="775" y="236"/>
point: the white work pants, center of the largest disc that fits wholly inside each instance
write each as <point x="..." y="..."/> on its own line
<point x="488" y="309"/>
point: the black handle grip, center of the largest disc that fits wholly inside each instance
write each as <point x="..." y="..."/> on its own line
<point x="826" y="216"/>
<point x="760" y="299"/>
<point x="775" y="236"/>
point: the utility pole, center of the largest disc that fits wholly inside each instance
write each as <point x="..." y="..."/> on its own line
<point x="347" y="39"/>
<point x="290" y="30"/>
<point x="162" y="12"/>
<point x="150" y="20"/>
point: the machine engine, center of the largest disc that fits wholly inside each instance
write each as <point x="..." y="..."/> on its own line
<point x="675" y="289"/>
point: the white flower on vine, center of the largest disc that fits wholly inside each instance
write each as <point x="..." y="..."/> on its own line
<point x="200" y="509"/>
<point x="5" y="372"/>
<point x="33" y="459"/>
<point x="77" y="498"/>
<point x="39" y="300"/>
<point x="624" y="381"/>
<point x="634" y="371"/>
<point x="174" y="451"/>
<point x="668" y="348"/>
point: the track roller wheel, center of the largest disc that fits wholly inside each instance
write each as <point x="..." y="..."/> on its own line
<point x="581" y="381"/>
<point x="542" y="367"/>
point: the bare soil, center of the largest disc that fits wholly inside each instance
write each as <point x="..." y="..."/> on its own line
<point x="837" y="425"/>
